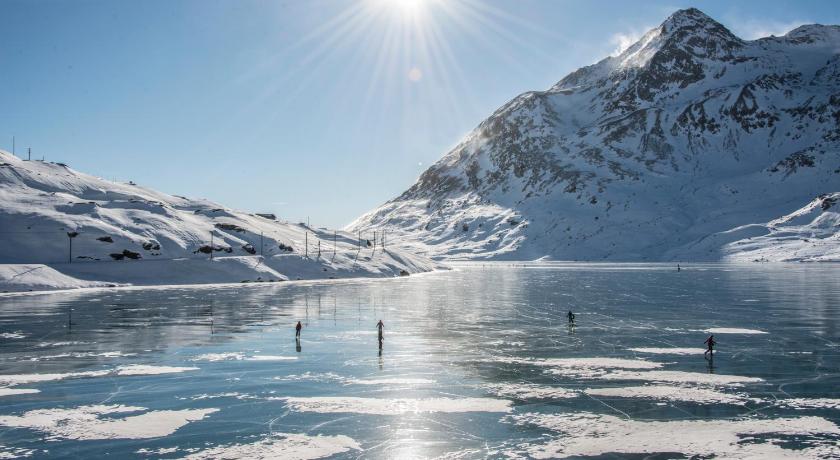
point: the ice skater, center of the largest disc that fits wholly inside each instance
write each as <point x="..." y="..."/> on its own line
<point x="678" y="267"/>
<point x="298" y="327"/>
<point x="710" y="346"/>
<point x="380" y="326"/>
<point x="571" y="317"/>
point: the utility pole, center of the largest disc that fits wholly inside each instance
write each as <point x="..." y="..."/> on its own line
<point x="334" y="243"/>
<point x="383" y="240"/>
<point x="306" y="243"/>
<point x="29" y="154"/>
<point x="70" y="236"/>
<point x="374" y="244"/>
<point x="319" y="249"/>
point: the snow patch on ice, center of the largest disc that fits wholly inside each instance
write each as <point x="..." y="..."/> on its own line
<point x="270" y="358"/>
<point x="7" y="452"/>
<point x="383" y="406"/>
<point x="670" y="351"/>
<point x="17" y="391"/>
<point x="529" y="391"/>
<point x="161" y="451"/>
<point x="732" y="330"/>
<point x="309" y="376"/>
<point x="12" y="335"/>
<point x="282" y="445"/>
<point x="235" y="356"/>
<point x="670" y="393"/>
<point x="582" y="367"/>
<point x="218" y="357"/>
<point x="144" y="369"/>
<point x="697" y="378"/>
<point x="807" y="403"/>
<point x="588" y="434"/>
<point x="19" y="379"/>
<point x="87" y="422"/>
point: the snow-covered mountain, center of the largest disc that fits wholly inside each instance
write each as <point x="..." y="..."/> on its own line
<point x="127" y="234"/>
<point x="689" y="133"/>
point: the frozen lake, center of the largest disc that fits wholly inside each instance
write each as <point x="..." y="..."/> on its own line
<point x="476" y="363"/>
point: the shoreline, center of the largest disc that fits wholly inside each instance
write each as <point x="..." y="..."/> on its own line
<point x="138" y="287"/>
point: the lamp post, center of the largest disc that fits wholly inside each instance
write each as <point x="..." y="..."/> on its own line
<point x="70" y="236"/>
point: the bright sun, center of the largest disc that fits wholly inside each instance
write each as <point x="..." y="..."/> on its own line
<point x="407" y="8"/>
<point x="409" y="5"/>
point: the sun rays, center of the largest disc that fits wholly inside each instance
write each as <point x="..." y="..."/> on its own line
<point x="392" y="55"/>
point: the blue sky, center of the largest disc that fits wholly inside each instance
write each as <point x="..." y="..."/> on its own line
<point x="308" y="108"/>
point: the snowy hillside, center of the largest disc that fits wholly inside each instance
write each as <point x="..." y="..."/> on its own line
<point x="808" y="234"/>
<point x="689" y="133"/>
<point x="128" y="234"/>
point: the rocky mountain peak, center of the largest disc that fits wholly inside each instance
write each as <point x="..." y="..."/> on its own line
<point x="688" y="132"/>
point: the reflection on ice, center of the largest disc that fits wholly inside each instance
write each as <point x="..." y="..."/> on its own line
<point x="383" y="406"/>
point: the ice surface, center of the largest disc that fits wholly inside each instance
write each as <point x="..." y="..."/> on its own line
<point x="468" y="348"/>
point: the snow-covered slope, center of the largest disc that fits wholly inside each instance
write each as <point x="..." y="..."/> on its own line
<point x="128" y="234"/>
<point x="688" y="133"/>
<point x="808" y="234"/>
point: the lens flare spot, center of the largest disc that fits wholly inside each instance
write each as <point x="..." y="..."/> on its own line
<point x="415" y="74"/>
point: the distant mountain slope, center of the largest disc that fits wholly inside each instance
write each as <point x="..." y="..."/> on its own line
<point x="126" y="233"/>
<point x="809" y="234"/>
<point x="690" y="132"/>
